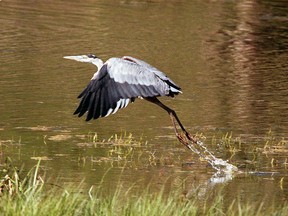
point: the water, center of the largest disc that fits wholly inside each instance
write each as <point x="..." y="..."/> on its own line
<point x="229" y="57"/>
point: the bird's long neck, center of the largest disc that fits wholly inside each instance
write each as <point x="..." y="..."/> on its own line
<point x="98" y="62"/>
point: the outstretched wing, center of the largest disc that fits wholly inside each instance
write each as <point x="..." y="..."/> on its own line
<point x="118" y="83"/>
<point x="173" y="87"/>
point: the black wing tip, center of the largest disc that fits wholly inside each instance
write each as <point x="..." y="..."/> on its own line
<point x="78" y="113"/>
<point x="88" y="119"/>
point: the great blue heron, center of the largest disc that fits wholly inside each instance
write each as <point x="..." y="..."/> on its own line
<point x="120" y="81"/>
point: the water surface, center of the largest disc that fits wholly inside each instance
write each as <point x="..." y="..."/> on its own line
<point x="229" y="57"/>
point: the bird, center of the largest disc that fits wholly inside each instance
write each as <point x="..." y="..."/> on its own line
<point x="120" y="81"/>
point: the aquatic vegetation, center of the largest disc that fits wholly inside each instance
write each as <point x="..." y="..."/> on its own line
<point x="269" y="149"/>
<point x="120" y="147"/>
<point x="31" y="195"/>
<point x="11" y="183"/>
<point x="123" y="149"/>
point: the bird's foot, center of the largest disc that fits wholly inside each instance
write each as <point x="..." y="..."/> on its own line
<point x="191" y="138"/>
<point x="186" y="139"/>
<point x="180" y="137"/>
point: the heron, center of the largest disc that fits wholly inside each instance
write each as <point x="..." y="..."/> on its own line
<point x="120" y="81"/>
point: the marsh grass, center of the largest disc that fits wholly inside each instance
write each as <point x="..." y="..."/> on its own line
<point x="31" y="195"/>
<point x="265" y="145"/>
<point x="274" y="151"/>
<point x="122" y="139"/>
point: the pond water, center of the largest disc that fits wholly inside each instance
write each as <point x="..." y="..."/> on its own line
<point x="229" y="57"/>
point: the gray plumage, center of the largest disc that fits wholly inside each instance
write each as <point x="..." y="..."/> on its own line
<point x="118" y="82"/>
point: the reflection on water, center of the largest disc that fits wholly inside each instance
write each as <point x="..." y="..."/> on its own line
<point x="257" y="73"/>
<point x="229" y="57"/>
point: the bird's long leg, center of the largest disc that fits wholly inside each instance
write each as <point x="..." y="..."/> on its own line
<point x="173" y="117"/>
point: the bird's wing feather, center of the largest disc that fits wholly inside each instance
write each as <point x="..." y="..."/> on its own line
<point x="117" y="84"/>
<point x="160" y="74"/>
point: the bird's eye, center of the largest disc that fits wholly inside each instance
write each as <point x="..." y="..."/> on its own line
<point x="91" y="56"/>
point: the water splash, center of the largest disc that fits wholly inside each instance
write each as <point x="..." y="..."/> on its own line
<point x="224" y="169"/>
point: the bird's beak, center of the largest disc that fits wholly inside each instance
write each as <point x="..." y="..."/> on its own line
<point x="80" y="58"/>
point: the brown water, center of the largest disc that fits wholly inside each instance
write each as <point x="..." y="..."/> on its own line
<point x="229" y="57"/>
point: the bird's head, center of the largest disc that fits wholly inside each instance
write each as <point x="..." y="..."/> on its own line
<point x="90" y="58"/>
